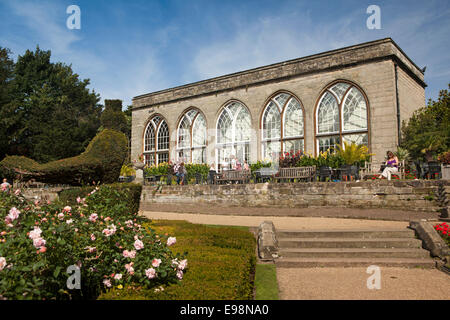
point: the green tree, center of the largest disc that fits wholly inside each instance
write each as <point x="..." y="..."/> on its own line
<point x="6" y="76"/>
<point x="112" y="116"/>
<point x="53" y="115"/>
<point x="427" y="133"/>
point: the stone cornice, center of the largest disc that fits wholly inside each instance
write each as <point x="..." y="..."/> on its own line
<point x="369" y="52"/>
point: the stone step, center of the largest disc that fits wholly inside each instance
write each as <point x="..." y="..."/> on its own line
<point x="349" y="243"/>
<point x="354" y="253"/>
<point x="353" y="262"/>
<point x="360" y="234"/>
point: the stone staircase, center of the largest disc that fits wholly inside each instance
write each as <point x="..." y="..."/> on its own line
<point x="351" y="248"/>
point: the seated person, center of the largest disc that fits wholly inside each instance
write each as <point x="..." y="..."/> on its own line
<point x="391" y="166"/>
<point x="181" y="173"/>
<point x="212" y="172"/>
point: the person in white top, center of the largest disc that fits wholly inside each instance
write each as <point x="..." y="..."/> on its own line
<point x="5" y="186"/>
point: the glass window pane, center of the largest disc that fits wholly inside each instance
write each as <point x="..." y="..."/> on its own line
<point x="163" y="157"/>
<point x="199" y="155"/>
<point x="271" y="150"/>
<point x="242" y="125"/>
<point x="354" y="111"/>
<point x="293" y="119"/>
<point x="199" y="131"/>
<point x="362" y="138"/>
<point x="271" y="122"/>
<point x="149" y="140"/>
<point x="281" y="99"/>
<point x="149" y="159"/>
<point x="293" y="146"/>
<point x="163" y="136"/>
<point x="339" y="89"/>
<point x="184" y="133"/>
<point x="325" y="143"/>
<point x="328" y="114"/>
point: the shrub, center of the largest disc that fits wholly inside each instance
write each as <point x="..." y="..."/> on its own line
<point x="100" y="162"/>
<point x="39" y="242"/>
<point x="221" y="265"/>
<point x="259" y="164"/>
<point x="127" y="193"/>
<point x="444" y="157"/>
<point x="192" y="169"/>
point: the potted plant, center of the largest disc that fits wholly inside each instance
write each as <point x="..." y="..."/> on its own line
<point x="444" y="159"/>
<point x="127" y="173"/>
<point x="352" y="154"/>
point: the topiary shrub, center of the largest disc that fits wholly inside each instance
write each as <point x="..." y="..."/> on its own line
<point x="100" y="162"/>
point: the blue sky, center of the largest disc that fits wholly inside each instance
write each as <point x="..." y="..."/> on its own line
<point x="128" y="48"/>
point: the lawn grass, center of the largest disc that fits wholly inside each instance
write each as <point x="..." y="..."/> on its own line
<point x="221" y="264"/>
<point x="266" y="285"/>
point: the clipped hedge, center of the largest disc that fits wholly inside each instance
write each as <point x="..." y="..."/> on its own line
<point x="221" y="264"/>
<point x="127" y="193"/>
<point x="100" y="162"/>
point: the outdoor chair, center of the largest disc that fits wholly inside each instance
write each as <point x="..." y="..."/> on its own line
<point x="325" y="172"/>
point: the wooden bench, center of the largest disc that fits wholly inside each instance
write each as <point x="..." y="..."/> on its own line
<point x="233" y="176"/>
<point x="374" y="168"/>
<point x="307" y="173"/>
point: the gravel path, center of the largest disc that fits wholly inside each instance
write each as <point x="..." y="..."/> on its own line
<point x="351" y="284"/>
<point x="334" y="283"/>
<point x="294" y="223"/>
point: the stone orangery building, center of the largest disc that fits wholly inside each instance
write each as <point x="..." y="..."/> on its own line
<point x="359" y="93"/>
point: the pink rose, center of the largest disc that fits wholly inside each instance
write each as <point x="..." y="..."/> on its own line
<point x="38" y="243"/>
<point x="2" y="263"/>
<point x="92" y="237"/>
<point x="93" y="217"/>
<point x="150" y="273"/>
<point x="138" y="244"/>
<point x="182" y="265"/>
<point x="67" y="209"/>
<point x="35" y="233"/>
<point x="129" y="254"/>
<point x="156" y="262"/>
<point x="180" y="274"/>
<point x="171" y="241"/>
<point x="130" y="268"/>
<point x="107" y="283"/>
<point x="118" y="276"/>
<point x="61" y="216"/>
<point x="13" y="213"/>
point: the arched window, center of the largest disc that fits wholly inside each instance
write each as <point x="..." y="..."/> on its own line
<point x="282" y="126"/>
<point x="233" y="134"/>
<point x="191" y="142"/>
<point x="341" y="116"/>
<point x="156" y="141"/>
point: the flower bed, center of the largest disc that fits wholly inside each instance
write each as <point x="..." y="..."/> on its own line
<point x="99" y="237"/>
<point x="444" y="231"/>
<point x="221" y="265"/>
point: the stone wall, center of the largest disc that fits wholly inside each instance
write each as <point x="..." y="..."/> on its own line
<point x="42" y="194"/>
<point x="403" y="195"/>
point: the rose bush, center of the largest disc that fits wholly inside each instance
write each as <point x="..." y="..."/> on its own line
<point x="38" y="242"/>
